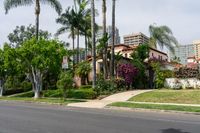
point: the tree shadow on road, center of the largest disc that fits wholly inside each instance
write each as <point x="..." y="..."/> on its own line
<point x="172" y="130"/>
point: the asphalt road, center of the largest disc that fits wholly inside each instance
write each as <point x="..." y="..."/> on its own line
<point x="32" y="118"/>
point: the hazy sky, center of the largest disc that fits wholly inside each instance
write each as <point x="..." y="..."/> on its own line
<point x="182" y="16"/>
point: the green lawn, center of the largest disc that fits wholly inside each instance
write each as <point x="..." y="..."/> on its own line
<point x="169" y="96"/>
<point x="157" y="107"/>
<point x="42" y="100"/>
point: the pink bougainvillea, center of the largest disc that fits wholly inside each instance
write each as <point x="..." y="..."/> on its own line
<point x="127" y="72"/>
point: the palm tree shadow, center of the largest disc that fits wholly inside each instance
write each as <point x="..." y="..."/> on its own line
<point x="172" y="130"/>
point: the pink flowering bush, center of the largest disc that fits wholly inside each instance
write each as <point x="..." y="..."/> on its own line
<point x="127" y="72"/>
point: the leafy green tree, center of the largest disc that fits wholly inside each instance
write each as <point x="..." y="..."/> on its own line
<point x="138" y="59"/>
<point x="65" y="82"/>
<point x="8" y="4"/>
<point x="82" y="70"/>
<point x="23" y="33"/>
<point x="163" y="36"/>
<point x="38" y="58"/>
<point x="2" y="72"/>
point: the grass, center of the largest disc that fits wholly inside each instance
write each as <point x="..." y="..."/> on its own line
<point x="157" y="107"/>
<point x="42" y="100"/>
<point x="169" y="96"/>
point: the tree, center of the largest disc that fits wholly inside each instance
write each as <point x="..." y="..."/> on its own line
<point x="39" y="57"/>
<point x="8" y="4"/>
<point x="65" y="82"/>
<point x="163" y="36"/>
<point x="127" y="72"/>
<point x="22" y="33"/>
<point x="105" y="67"/>
<point x="83" y="70"/>
<point x="113" y="39"/>
<point x="68" y="21"/>
<point x="2" y="73"/>
<point x="139" y="56"/>
<point x="80" y="12"/>
<point x="93" y="42"/>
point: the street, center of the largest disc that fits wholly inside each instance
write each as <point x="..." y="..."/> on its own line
<point x="33" y="118"/>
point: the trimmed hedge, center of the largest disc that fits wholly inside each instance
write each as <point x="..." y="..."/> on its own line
<point x="72" y="93"/>
<point x="86" y="87"/>
<point x="82" y="94"/>
<point x="12" y="91"/>
<point x="53" y="93"/>
<point x="25" y="94"/>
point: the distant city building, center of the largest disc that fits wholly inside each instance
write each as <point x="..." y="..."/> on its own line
<point x="183" y="52"/>
<point x="136" y="39"/>
<point x="109" y="31"/>
<point x="197" y="48"/>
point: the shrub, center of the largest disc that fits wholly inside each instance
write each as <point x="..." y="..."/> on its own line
<point x="86" y="87"/>
<point x="82" y="94"/>
<point x="104" y="87"/>
<point x="53" y="93"/>
<point x="25" y="94"/>
<point x="127" y="72"/>
<point x="185" y="72"/>
<point x="26" y="86"/>
<point x="12" y="91"/>
<point x="65" y="82"/>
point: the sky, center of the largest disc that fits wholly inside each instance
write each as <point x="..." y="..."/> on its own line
<point x="182" y="16"/>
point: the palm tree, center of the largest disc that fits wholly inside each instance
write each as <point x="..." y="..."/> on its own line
<point x="163" y="36"/>
<point x="8" y="4"/>
<point x="93" y="42"/>
<point x="80" y="12"/>
<point x="67" y="20"/>
<point x="105" y="70"/>
<point x="113" y="39"/>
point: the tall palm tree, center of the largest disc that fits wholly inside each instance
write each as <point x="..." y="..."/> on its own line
<point x="80" y="12"/>
<point x="93" y="42"/>
<point x="105" y="70"/>
<point x="67" y="20"/>
<point x="113" y="39"/>
<point x="8" y="4"/>
<point x="162" y="36"/>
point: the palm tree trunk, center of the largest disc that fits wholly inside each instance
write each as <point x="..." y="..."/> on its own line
<point x="113" y="39"/>
<point x="78" y="49"/>
<point x="86" y="46"/>
<point x="93" y="43"/>
<point x="105" y="67"/>
<point x="73" y="46"/>
<point x="37" y="13"/>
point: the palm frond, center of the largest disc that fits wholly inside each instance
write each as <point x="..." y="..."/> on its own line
<point x="8" y="4"/>
<point x="61" y="31"/>
<point x="55" y="4"/>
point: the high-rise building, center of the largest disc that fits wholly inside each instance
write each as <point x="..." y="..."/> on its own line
<point x="136" y="39"/>
<point x="109" y="31"/>
<point x="197" y="48"/>
<point x="183" y="52"/>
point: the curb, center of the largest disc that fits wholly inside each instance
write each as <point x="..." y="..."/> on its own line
<point x="149" y="110"/>
<point x="31" y="102"/>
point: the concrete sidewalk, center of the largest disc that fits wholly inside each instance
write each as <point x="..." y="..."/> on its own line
<point x="119" y="97"/>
